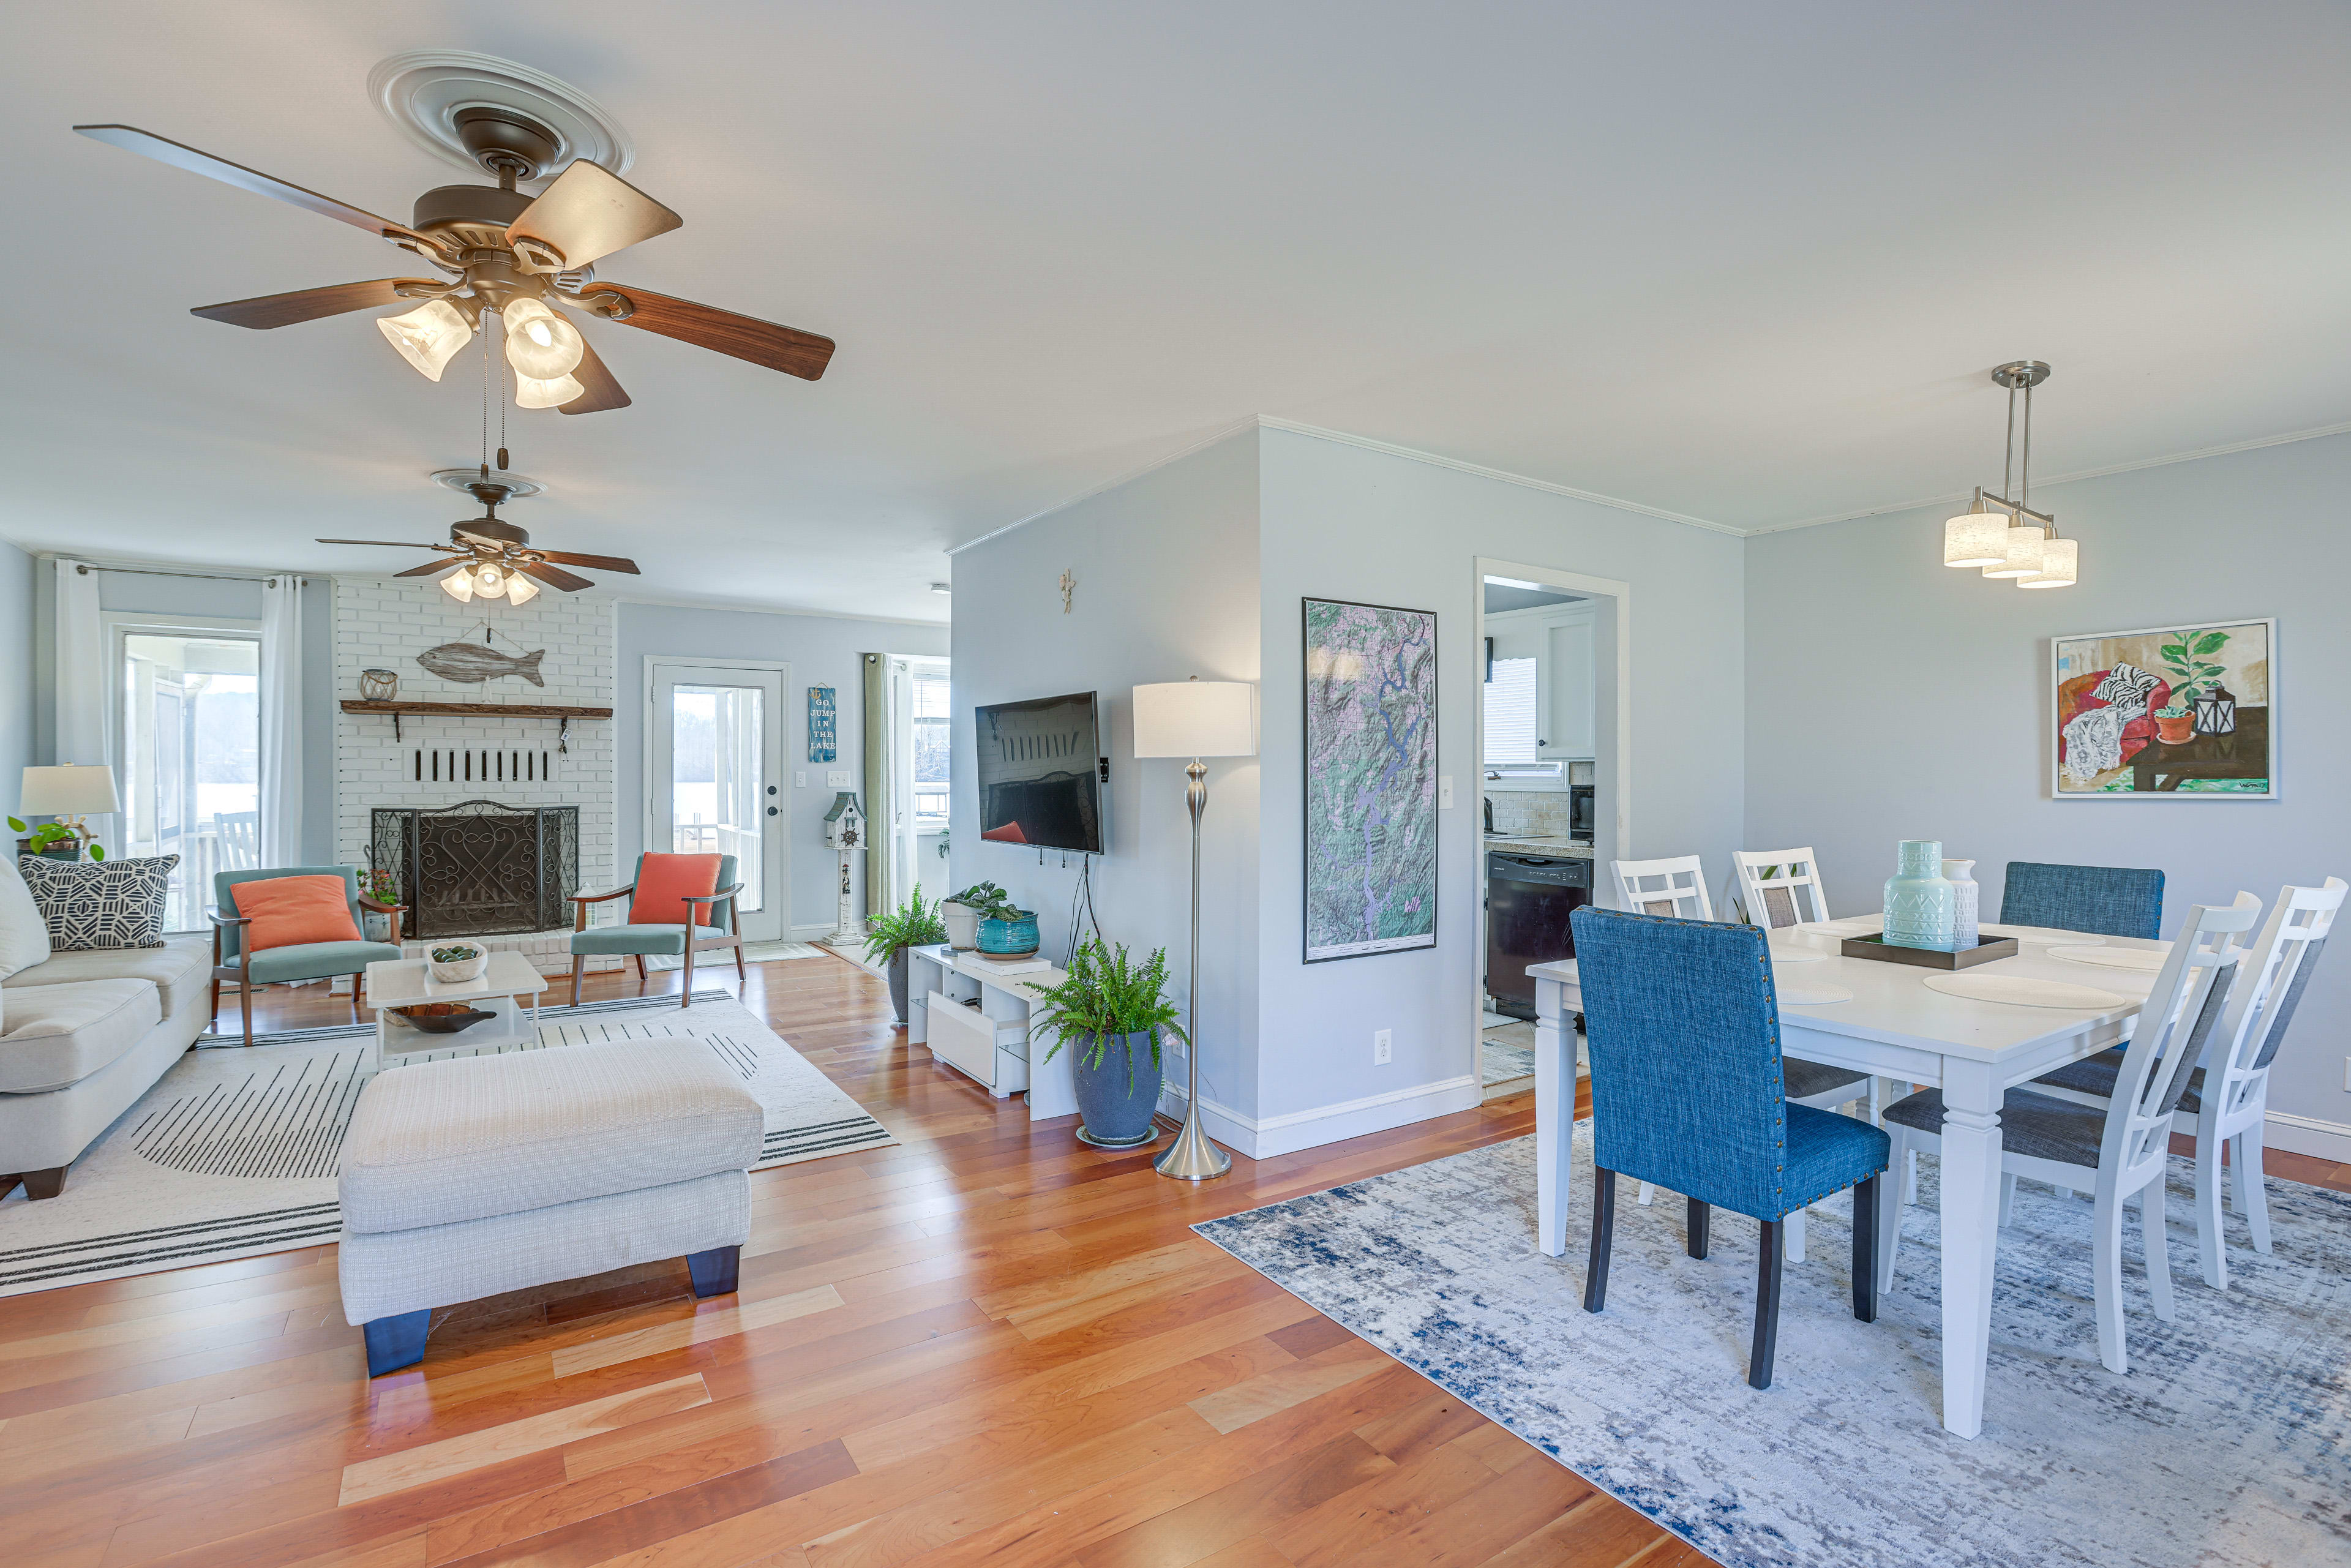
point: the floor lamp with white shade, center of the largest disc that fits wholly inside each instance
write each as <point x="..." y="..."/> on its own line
<point x="1195" y="718"/>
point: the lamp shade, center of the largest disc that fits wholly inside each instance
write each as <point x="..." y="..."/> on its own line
<point x="2060" y="563"/>
<point x="1196" y="718"/>
<point x="531" y="392"/>
<point x="69" y="791"/>
<point x="1976" y="539"/>
<point x="429" y="335"/>
<point x="2024" y="558"/>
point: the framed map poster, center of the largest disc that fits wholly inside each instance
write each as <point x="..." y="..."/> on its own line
<point x="2166" y="711"/>
<point x="1370" y="780"/>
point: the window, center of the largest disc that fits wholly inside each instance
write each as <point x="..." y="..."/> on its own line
<point x="191" y="749"/>
<point x="1510" y="712"/>
<point x="929" y="742"/>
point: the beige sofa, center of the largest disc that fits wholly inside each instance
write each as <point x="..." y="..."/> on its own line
<point x="82" y="1037"/>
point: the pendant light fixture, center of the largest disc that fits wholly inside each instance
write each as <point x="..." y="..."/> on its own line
<point x="429" y="335"/>
<point x="2007" y="538"/>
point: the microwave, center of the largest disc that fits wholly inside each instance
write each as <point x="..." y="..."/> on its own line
<point x="1580" y="812"/>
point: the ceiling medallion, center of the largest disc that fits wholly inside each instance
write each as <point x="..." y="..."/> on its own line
<point x="2008" y="538"/>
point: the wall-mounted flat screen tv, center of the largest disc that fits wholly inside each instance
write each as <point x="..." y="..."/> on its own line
<point x="1037" y="763"/>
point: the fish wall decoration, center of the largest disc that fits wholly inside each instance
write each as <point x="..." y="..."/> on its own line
<point x="473" y="664"/>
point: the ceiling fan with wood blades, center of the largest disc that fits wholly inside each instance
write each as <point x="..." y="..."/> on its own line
<point x="528" y="259"/>
<point x="489" y="557"/>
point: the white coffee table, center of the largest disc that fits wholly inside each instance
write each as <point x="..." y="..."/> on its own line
<point x="509" y="987"/>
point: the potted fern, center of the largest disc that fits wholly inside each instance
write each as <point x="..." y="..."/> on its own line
<point x="888" y="936"/>
<point x="962" y="913"/>
<point x="1111" y="1013"/>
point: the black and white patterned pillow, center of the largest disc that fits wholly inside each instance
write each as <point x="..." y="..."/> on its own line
<point x="92" y="904"/>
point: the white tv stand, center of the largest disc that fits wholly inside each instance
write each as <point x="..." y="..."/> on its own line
<point x="990" y="1043"/>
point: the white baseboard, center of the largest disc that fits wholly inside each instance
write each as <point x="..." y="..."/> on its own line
<point x="1286" y="1133"/>
<point x="2307" y="1135"/>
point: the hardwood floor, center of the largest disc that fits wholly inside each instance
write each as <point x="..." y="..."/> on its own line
<point x="989" y="1344"/>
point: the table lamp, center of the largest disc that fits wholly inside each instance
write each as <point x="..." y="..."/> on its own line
<point x="1195" y="718"/>
<point x="70" y="793"/>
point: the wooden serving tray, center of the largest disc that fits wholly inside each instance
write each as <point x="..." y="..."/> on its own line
<point x="1986" y="950"/>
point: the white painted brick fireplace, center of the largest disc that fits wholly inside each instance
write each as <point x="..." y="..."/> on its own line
<point x="385" y="624"/>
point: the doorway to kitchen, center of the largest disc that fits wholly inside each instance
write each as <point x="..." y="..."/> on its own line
<point x="1554" y="752"/>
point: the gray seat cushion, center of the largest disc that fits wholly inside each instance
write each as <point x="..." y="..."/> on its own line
<point x="433" y="1142"/>
<point x="181" y="961"/>
<point x="58" y="1035"/>
<point x="2031" y="1124"/>
<point x="317" y="960"/>
<point x="1805" y="1079"/>
<point x="643" y="939"/>
<point x="2097" y="1075"/>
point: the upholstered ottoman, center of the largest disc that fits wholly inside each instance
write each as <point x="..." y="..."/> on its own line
<point x="471" y="1176"/>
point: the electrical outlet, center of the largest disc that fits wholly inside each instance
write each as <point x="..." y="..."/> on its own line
<point x="837" y="780"/>
<point x="1382" y="1047"/>
<point x="1445" y="791"/>
<point x="800" y="778"/>
<point x="2346" y="1075"/>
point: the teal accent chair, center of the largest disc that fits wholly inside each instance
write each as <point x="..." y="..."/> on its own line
<point x="640" y="942"/>
<point x="304" y="961"/>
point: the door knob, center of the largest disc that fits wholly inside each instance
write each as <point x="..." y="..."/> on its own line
<point x="771" y="810"/>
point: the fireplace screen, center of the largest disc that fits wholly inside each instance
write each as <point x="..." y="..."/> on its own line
<point x="480" y="869"/>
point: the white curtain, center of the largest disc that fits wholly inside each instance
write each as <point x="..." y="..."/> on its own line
<point x="83" y="733"/>
<point x="281" y="720"/>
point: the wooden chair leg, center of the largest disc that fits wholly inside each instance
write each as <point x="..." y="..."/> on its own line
<point x="686" y="999"/>
<point x="741" y="980"/>
<point x="1701" y="1217"/>
<point x="1604" y="1235"/>
<point x="640" y="974"/>
<point x="359" y="992"/>
<point x="213" y="1027"/>
<point x="2251" y="1191"/>
<point x="1864" y="1247"/>
<point x="1767" y="1307"/>
<point x="244" y="1002"/>
<point x="578" y="963"/>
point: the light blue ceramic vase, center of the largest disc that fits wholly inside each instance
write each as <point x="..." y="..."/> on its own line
<point x="1919" y="900"/>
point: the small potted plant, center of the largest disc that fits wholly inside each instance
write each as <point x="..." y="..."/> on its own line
<point x="962" y="913"/>
<point x="1006" y="930"/>
<point x="53" y="841"/>
<point x="1111" y="1013"/>
<point x="888" y="936"/>
<point x="2175" y="722"/>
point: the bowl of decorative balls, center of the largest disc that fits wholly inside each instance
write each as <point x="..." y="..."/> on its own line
<point x="454" y="962"/>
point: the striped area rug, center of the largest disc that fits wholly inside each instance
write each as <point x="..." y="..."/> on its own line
<point x="234" y="1151"/>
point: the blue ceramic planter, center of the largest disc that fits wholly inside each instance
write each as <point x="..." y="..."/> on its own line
<point x="1009" y="938"/>
<point x="1116" y="1101"/>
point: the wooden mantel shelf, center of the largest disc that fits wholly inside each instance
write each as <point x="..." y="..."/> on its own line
<point x="492" y="710"/>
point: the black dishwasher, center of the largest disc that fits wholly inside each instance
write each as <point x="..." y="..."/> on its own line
<point x="1528" y="900"/>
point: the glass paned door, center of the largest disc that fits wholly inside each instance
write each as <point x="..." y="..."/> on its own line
<point x="191" y="754"/>
<point x="716" y="777"/>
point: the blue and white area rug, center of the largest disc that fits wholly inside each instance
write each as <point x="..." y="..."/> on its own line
<point x="234" y="1151"/>
<point x="2227" y="1446"/>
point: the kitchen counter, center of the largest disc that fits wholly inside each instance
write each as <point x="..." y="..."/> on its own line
<point x="1559" y="847"/>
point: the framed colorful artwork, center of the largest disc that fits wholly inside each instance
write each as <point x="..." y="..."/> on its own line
<point x="2167" y="710"/>
<point x="1370" y="780"/>
<point x="823" y="740"/>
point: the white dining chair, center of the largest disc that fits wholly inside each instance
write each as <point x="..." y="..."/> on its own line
<point x="2118" y="1152"/>
<point x="1676" y="886"/>
<point x="1679" y="890"/>
<point x="1780" y="887"/>
<point x="2227" y="1104"/>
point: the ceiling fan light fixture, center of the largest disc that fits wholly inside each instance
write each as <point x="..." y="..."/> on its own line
<point x="540" y="344"/>
<point x="459" y="585"/>
<point x="532" y="393"/>
<point x="429" y="335"/>
<point x="520" y="589"/>
<point x="489" y="581"/>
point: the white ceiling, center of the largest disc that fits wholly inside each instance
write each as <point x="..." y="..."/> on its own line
<point x="1743" y="264"/>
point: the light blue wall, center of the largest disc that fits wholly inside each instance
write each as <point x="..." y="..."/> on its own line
<point x="18" y="683"/>
<point x="1341" y="521"/>
<point x="1891" y="697"/>
<point x="1166" y="587"/>
<point x="822" y="651"/>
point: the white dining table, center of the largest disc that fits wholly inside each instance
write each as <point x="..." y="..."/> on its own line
<point x="1896" y="1027"/>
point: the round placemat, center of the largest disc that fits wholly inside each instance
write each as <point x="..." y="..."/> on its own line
<point x="2018" y="991"/>
<point x="2043" y="936"/>
<point x="2139" y="958"/>
<point x="1810" y="993"/>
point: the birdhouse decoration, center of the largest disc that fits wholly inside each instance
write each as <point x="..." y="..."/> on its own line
<point x="2216" y="711"/>
<point x="844" y="833"/>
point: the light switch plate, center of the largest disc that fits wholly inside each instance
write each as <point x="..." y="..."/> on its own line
<point x="837" y="780"/>
<point x="800" y="778"/>
<point x="1445" y="791"/>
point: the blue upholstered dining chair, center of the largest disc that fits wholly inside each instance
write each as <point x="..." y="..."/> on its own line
<point x="232" y="960"/>
<point x="2112" y="900"/>
<point x="1689" y="1092"/>
<point x="659" y="939"/>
